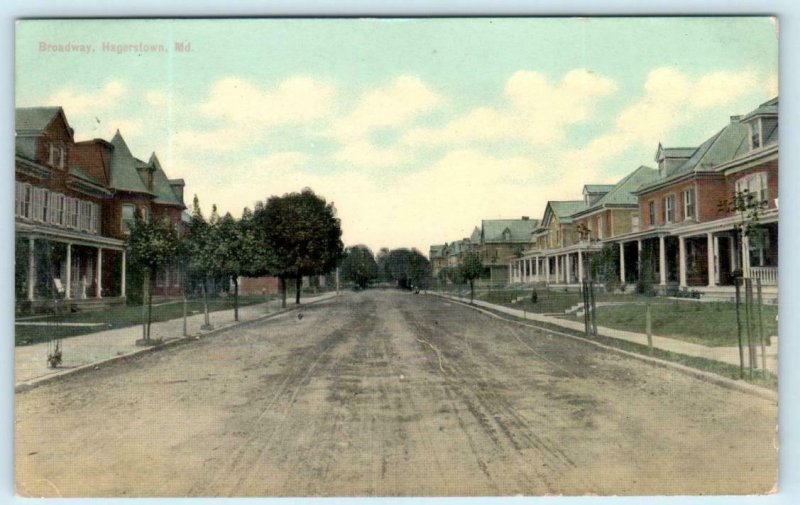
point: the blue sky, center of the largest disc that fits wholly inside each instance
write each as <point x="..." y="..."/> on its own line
<point x="416" y="129"/>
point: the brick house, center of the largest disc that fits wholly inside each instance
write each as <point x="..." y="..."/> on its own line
<point x="686" y="238"/>
<point x="74" y="205"/>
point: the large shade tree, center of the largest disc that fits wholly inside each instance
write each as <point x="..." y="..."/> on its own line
<point x="408" y="268"/>
<point x="303" y="232"/>
<point x="359" y="266"/>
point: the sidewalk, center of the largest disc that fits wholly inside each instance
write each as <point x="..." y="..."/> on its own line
<point x="30" y="361"/>
<point x="729" y="355"/>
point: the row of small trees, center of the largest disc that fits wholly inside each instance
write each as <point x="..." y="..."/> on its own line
<point x="289" y="236"/>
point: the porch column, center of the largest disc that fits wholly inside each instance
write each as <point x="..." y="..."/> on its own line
<point x="529" y="269"/>
<point x="536" y="268"/>
<point x="622" y="262"/>
<point x="717" y="266"/>
<point x="98" y="275"/>
<point x="639" y="260"/>
<point x="682" y="260"/>
<point x="580" y="266"/>
<point x="745" y="256"/>
<point x="558" y="269"/>
<point x="31" y="268"/>
<point x="712" y="253"/>
<point x="68" y="276"/>
<point x="123" y="274"/>
<point x="662" y="261"/>
<point x="547" y="268"/>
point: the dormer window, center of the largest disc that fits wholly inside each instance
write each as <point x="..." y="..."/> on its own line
<point x="62" y="156"/>
<point x="755" y="134"/>
<point x="51" y="154"/>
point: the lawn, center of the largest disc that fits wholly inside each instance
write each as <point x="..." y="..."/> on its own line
<point x="706" y="323"/>
<point x="115" y="317"/>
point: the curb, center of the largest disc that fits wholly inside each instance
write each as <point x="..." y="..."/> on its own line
<point x="718" y="380"/>
<point x="173" y="342"/>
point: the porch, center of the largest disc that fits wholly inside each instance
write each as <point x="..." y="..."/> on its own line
<point x="67" y="273"/>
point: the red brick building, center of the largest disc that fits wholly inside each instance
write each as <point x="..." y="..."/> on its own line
<point x="74" y="204"/>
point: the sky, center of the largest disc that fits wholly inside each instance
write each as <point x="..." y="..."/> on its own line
<point x="416" y="129"/>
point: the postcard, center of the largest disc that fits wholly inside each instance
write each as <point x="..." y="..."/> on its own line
<point x="381" y="257"/>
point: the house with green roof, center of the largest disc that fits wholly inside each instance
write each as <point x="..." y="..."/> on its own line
<point x="502" y="240"/>
<point x="64" y="253"/>
<point x="75" y="204"/>
<point x="672" y="228"/>
<point x="688" y="236"/>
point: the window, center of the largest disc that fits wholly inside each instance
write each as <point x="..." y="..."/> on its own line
<point x="755" y="185"/>
<point x="19" y="200"/>
<point x="600" y="225"/>
<point x="759" y="247"/>
<point x="85" y="216"/>
<point x="60" y="211"/>
<point x="51" y="154"/>
<point x="755" y="134"/>
<point x="688" y="204"/>
<point x="95" y="221"/>
<point x="71" y="205"/>
<point x="652" y="210"/>
<point x="128" y="217"/>
<point x="635" y="222"/>
<point x="669" y="209"/>
<point x="39" y="204"/>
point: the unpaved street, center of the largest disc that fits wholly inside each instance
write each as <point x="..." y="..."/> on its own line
<point x="385" y="393"/>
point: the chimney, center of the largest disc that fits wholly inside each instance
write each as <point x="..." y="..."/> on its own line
<point x="525" y="218"/>
<point x="177" y="186"/>
<point x="735" y="118"/>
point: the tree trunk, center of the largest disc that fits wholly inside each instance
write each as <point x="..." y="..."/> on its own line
<point x="235" y="298"/>
<point x="205" y="302"/>
<point x="471" y="291"/>
<point x="150" y="302"/>
<point x="282" y="282"/>
<point x="298" y="287"/>
<point x="145" y="296"/>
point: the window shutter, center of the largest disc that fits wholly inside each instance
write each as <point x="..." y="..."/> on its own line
<point x="18" y="198"/>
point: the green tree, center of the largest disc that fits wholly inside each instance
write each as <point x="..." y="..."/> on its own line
<point x="471" y="268"/>
<point x="201" y="251"/>
<point x="407" y="267"/>
<point x="304" y="234"/>
<point x="359" y="266"/>
<point x="748" y="210"/>
<point x="152" y="245"/>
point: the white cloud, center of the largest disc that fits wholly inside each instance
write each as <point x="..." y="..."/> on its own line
<point x="155" y="97"/>
<point x="394" y="105"/>
<point x="89" y="102"/>
<point x="297" y="100"/>
<point x="362" y="153"/>
<point x="772" y="85"/>
<point x="673" y="98"/>
<point x="534" y="111"/>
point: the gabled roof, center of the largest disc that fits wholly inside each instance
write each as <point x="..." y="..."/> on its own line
<point x="597" y="188"/>
<point x="123" y="168"/>
<point x="622" y="194"/>
<point x="768" y="108"/>
<point x="475" y="237"/>
<point x="35" y="119"/>
<point x="564" y="210"/>
<point x="674" y="152"/>
<point x="165" y="195"/>
<point x="508" y="230"/>
<point x="728" y="144"/>
<point x="437" y="251"/>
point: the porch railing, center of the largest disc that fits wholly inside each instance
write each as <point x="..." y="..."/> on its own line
<point x="768" y="275"/>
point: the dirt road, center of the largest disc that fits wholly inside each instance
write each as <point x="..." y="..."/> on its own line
<point x="384" y="393"/>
